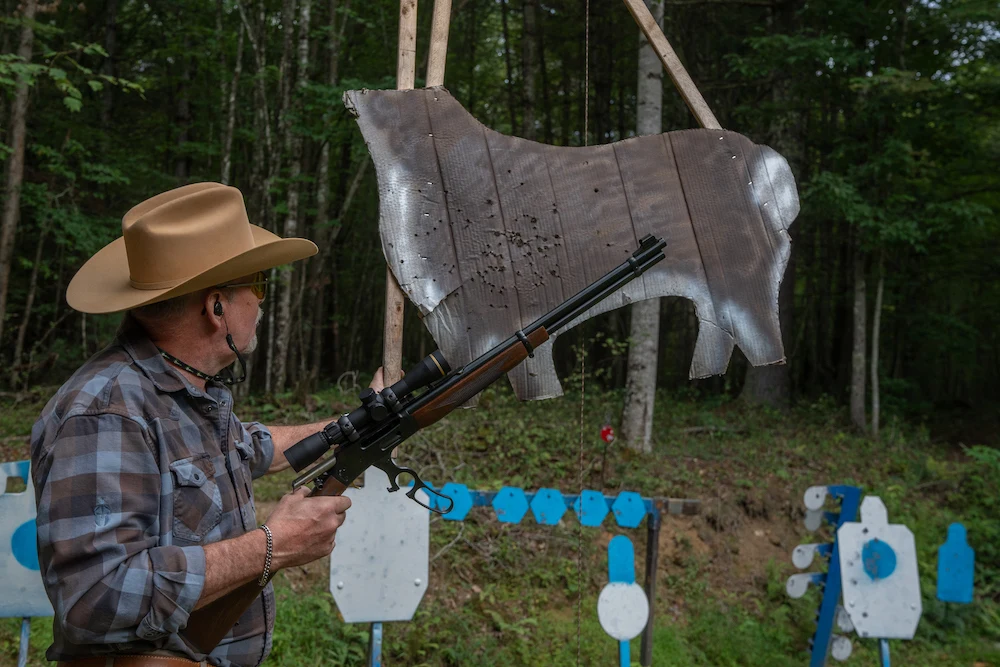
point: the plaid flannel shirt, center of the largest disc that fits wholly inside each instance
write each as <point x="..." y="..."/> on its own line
<point x="135" y="470"/>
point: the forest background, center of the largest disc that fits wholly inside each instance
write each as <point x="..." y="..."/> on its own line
<point x="886" y="111"/>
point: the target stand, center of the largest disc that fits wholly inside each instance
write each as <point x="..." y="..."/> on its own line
<point x="379" y="570"/>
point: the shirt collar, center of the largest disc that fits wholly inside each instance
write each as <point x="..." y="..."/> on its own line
<point x="147" y="357"/>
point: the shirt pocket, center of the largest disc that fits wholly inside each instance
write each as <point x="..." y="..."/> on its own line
<point x="197" y="500"/>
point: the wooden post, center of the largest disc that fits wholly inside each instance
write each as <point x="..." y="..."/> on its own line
<point x="392" y="336"/>
<point x="652" y="562"/>
<point x="439" y="43"/>
<point x="692" y="97"/>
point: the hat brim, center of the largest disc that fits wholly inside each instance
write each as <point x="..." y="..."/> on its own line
<point x="102" y="285"/>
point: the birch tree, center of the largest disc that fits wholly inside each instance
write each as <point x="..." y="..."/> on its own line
<point x="15" y="164"/>
<point x="859" y="344"/>
<point x="283" y="330"/>
<point x="640" y="383"/>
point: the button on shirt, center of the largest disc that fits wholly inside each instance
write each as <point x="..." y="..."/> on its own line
<point x="135" y="470"/>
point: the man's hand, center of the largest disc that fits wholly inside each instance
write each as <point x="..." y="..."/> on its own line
<point x="304" y="528"/>
<point x="378" y="383"/>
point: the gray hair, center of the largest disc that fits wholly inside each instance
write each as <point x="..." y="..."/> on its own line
<point x="163" y="312"/>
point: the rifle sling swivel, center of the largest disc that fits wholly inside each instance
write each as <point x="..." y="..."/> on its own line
<point x="527" y="344"/>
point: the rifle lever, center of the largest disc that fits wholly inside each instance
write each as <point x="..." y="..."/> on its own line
<point x="389" y="467"/>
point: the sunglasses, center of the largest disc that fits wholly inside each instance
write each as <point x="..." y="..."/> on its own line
<point x="258" y="285"/>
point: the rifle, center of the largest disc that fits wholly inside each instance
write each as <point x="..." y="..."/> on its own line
<point x="368" y="435"/>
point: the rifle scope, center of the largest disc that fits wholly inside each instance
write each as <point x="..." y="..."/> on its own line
<point x="375" y="407"/>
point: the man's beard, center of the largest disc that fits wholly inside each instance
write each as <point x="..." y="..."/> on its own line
<point x="252" y="345"/>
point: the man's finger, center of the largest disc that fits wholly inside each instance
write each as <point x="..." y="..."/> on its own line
<point x="378" y="380"/>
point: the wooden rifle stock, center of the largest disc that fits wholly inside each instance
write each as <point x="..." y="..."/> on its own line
<point x="475" y="380"/>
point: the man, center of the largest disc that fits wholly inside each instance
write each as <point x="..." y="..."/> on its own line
<point x="142" y="472"/>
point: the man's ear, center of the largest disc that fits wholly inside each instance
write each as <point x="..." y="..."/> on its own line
<point x="211" y="305"/>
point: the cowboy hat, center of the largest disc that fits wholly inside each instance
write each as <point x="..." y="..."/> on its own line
<point x="178" y="242"/>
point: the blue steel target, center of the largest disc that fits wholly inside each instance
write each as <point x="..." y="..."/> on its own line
<point x="25" y="546"/>
<point x="510" y="504"/>
<point x="591" y="508"/>
<point x="879" y="559"/>
<point x="956" y="567"/>
<point x="548" y="506"/>
<point x="459" y="493"/>
<point x="21" y="591"/>
<point x="629" y="509"/>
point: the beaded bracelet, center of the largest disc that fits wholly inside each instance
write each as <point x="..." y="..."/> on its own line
<point x="266" y="575"/>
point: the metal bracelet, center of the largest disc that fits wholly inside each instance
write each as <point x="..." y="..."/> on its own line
<point x="266" y="575"/>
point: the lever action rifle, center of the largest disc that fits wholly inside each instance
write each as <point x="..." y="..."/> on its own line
<point x="368" y="435"/>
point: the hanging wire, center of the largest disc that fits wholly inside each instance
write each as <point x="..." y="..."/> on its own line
<point x="579" y="535"/>
<point x="586" y="75"/>
<point x="583" y="366"/>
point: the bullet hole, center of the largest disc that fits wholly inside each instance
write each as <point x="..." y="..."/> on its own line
<point x="596" y="190"/>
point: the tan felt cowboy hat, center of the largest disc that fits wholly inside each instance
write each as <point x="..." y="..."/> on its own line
<point x="178" y="242"/>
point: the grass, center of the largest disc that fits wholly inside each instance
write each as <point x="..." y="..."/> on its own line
<point x="504" y="594"/>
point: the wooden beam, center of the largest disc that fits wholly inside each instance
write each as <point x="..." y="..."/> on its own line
<point x="695" y="102"/>
<point x="439" y="43"/>
<point x="406" y="63"/>
<point x="392" y="332"/>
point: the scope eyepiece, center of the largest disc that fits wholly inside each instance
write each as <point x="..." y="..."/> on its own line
<point x="431" y="368"/>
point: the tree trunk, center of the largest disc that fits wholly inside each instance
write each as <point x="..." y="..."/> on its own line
<point x="108" y="66"/>
<point x="859" y="345"/>
<point x="509" y="85"/>
<point x="15" y="165"/>
<point x="29" y="302"/>
<point x="529" y="42"/>
<point x="230" y="107"/>
<point x="643" y="352"/>
<point x="283" y="330"/>
<point x="318" y="267"/>
<point x="876" y="330"/>
<point x="182" y="118"/>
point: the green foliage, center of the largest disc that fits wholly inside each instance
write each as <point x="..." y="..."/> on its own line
<point x="508" y="594"/>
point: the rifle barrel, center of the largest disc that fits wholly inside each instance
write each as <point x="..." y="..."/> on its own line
<point x="648" y="254"/>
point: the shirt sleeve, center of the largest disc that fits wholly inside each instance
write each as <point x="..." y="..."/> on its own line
<point x="108" y="578"/>
<point x="263" y="448"/>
